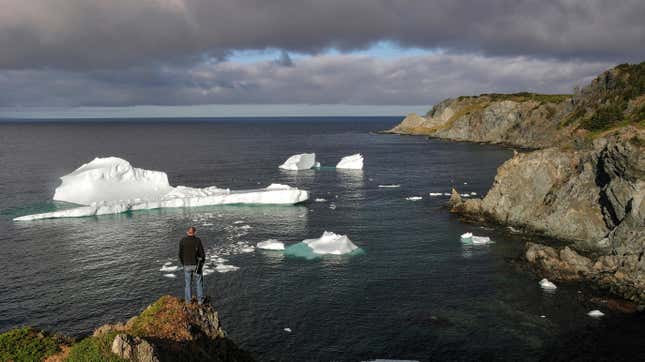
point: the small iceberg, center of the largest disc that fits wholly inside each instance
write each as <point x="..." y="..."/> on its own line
<point x="328" y="244"/>
<point x="469" y="238"/>
<point x="595" y="313"/>
<point x="223" y="268"/>
<point x="169" y="268"/>
<point x="303" y="161"/>
<point x="392" y="186"/>
<point x="547" y="285"/>
<point x="271" y="244"/>
<point x="414" y="198"/>
<point x="317" y="165"/>
<point x="353" y="162"/>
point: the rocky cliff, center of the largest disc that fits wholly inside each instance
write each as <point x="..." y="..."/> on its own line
<point x="583" y="185"/>
<point x="167" y="330"/>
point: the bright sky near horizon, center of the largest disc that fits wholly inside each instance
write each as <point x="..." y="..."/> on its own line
<point x="157" y="58"/>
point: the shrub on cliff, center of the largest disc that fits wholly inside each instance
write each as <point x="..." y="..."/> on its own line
<point x="26" y="344"/>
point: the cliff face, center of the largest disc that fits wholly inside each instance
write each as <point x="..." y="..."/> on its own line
<point x="519" y="120"/>
<point x="584" y="184"/>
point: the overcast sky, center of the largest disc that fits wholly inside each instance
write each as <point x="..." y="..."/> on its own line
<point x="322" y="57"/>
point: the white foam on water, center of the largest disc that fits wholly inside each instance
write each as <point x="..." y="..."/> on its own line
<point x="320" y="200"/>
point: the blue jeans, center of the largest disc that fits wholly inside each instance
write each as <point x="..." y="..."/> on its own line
<point x="189" y="271"/>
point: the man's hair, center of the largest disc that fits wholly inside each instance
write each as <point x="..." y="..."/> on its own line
<point x="192" y="230"/>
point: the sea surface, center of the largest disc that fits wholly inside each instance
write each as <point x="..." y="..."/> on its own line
<point x="416" y="292"/>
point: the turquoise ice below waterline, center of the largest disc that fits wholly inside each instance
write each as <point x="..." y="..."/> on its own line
<point x="302" y="250"/>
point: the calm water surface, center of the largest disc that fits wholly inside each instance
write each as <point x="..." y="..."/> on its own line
<point x="416" y="292"/>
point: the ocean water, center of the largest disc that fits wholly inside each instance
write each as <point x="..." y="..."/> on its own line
<point x="415" y="292"/>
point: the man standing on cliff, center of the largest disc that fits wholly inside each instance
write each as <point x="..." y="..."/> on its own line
<point x="192" y="257"/>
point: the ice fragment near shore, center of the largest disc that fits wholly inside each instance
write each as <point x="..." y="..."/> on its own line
<point x="595" y="313"/>
<point x="353" y="162"/>
<point x="303" y="161"/>
<point x="271" y="244"/>
<point x="111" y="186"/>
<point x="546" y="284"/>
<point x="469" y="238"/>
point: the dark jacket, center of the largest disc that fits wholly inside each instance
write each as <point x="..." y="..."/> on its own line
<point x="191" y="251"/>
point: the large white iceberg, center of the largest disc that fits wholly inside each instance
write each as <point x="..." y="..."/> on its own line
<point x="109" y="179"/>
<point x="353" y="162"/>
<point x="303" y="161"/>
<point x="111" y="186"/>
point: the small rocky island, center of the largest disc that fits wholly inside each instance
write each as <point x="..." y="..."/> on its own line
<point x="167" y="330"/>
<point x="582" y="183"/>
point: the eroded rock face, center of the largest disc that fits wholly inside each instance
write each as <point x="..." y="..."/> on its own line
<point x="133" y="349"/>
<point x="513" y="121"/>
<point x="592" y="197"/>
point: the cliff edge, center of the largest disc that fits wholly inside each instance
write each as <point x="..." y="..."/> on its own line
<point x="583" y="184"/>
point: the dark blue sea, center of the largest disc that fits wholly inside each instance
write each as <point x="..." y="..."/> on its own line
<point x="416" y="292"/>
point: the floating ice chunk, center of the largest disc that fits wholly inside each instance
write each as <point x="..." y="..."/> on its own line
<point x="170" y="275"/>
<point x="473" y="193"/>
<point x="414" y="198"/>
<point x="182" y="196"/>
<point x="465" y="195"/>
<point x="223" y="268"/>
<point x="110" y="179"/>
<point x="317" y="165"/>
<point x="303" y="161"/>
<point x="435" y="194"/>
<point x="392" y="186"/>
<point x="245" y="227"/>
<point x="238" y="222"/>
<point x="595" y="313"/>
<point x="207" y="271"/>
<point x="247" y="249"/>
<point x="332" y="206"/>
<point x="546" y="284"/>
<point x="271" y="244"/>
<point x="481" y="240"/>
<point x="207" y="224"/>
<point x="169" y="268"/>
<point x="542" y="316"/>
<point x="167" y="263"/>
<point x="465" y="183"/>
<point x="320" y="199"/>
<point x="446" y="194"/>
<point x="288" y="330"/>
<point x="331" y="243"/>
<point x="469" y="238"/>
<point x="353" y="162"/>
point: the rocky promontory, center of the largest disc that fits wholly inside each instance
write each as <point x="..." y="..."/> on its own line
<point x="167" y="330"/>
<point x="583" y="184"/>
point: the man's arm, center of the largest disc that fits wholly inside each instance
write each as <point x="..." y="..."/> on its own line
<point x="201" y="256"/>
<point x="181" y="251"/>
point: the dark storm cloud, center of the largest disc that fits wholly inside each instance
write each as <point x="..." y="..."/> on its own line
<point x="83" y="34"/>
<point x="328" y="79"/>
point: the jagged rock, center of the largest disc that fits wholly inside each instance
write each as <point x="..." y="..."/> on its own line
<point x="133" y="349"/>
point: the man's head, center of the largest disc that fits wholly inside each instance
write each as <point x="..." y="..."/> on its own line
<point x="191" y="231"/>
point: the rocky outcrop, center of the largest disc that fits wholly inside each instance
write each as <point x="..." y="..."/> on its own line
<point x="590" y="197"/>
<point x="523" y="120"/>
<point x="171" y="330"/>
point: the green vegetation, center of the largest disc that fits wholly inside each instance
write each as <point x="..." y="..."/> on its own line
<point x="26" y="344"/>
<point x="609" y="101"/>
<point x="521" y="97"/>
<point x="164" y="319"/>
<point x="94" y="349"/>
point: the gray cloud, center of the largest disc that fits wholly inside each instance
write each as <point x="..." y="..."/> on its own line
<point x="84" y="34"/>
<point x="324" y="79"/>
